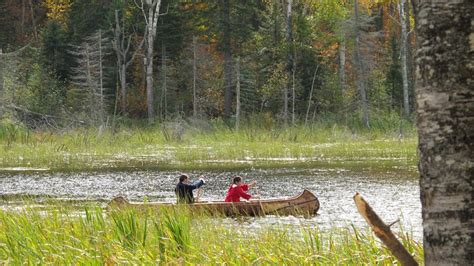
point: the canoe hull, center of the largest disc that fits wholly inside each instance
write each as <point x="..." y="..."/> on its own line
<point x="306" y="204"/>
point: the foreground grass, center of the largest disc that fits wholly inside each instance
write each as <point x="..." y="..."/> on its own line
<point x="191" y="148"/>
<point x="63" y="237"/>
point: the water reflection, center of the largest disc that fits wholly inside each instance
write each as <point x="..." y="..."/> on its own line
<point x="393" y="193"/>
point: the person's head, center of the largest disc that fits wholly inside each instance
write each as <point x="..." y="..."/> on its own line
<point x="236" y="180"/>
<point x="183" y="178"/>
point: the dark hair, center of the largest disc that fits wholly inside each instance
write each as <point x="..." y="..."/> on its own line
<point x="236" y="179"/>
<point x="183" y="177"/>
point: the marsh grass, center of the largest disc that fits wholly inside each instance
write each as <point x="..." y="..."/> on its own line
<point x="218" y="147"/>
<point x="174" y="237"/>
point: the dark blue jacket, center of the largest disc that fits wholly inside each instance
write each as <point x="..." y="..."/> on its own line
<point x="184" y="192"/>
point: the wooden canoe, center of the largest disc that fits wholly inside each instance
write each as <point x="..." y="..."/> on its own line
<point x="306" y="204"/>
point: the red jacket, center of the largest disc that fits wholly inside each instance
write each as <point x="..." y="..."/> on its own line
<point x="236" y="192"/>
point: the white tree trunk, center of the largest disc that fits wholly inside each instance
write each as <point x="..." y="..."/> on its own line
<point x="195" y="107"/>
<point x="121" y="45"/>
<point x="165" y="85"/>
<point x="151" y="23"/>
<point x="101" y="82"/>
<point x="289" y="66"/>
<point x="293" y="92"/>
<point x="403" y="57"/>
<point x="342" y="62"/>
<point x="445" y="121"/>
<point x="237" y="111"/>
<point x="361" y="84"/>
<point x="310" y="96"/>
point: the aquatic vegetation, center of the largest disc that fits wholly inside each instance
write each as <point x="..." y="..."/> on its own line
<point x="61" y="236"/>
<point x="218" y="148"/>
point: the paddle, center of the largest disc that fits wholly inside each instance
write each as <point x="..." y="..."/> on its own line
<point x="259" y="198"/>
<point x="198" y="194"/>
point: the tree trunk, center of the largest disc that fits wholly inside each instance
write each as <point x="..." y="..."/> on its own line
<point x="237" y="111"/>
<point x="101" y="82"/>
<point x="151" y="23"/>
<point x="361" y="84"/>
<point x="289" y="64"/>
<point x="403" y="57"/>
<point x="195" y="107"/>
<point x="164" y="91"/>
<point x="293" y="92"/>
<point x="121" y="45"/>
<point x="123" y="88"/>
<point x="410" y="59"/>
<point x="33" y="22"/>
<point x="227" y="60"/>
<point x="445" y="107"/>
<point x="310" y="96"/>
<point x="342" y="62"/>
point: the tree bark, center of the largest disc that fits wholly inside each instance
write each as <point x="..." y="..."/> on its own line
<point x="361" y="84"/>
<point x="121" y="45"/>
<point x="33" y="21"/>
<point x="342" y="62"/>
<point x="310" y="96"/>
<point x="403" y="58"/>
<point x="195" y="107"/>
<point x="227" y="60"/>
<point x="445" y="119"/>
<point x="410" y="59"/>
<point x="164" y="90"/>
<point x="151" y="23"/>
<point x="101" y="81"/>
<point x="237" y="111"/>
<point x="289" y="63"/>
<point x="293" y="92"/>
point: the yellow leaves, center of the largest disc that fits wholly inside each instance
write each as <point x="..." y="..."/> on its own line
<point x="57" y="9"/>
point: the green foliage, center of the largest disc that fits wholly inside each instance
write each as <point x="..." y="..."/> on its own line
<point x="60" y="236"/>
<point x="54" y="50"/>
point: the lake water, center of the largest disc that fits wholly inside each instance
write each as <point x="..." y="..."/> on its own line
<point x="392" y="192"/>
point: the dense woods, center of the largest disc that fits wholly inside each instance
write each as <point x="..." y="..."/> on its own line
<point x="76" y="63"/>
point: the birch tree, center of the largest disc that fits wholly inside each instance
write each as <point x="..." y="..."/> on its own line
<point x="361" y="80"/>
<point x="403" y="57"/>
<point x="237" y="109"/>
<point x="445" y="119"/>
<point x="121" y="44"/>
<point x="227" y="58"/>
<point x="289" y="64"/>
<point x="151" y="13"/>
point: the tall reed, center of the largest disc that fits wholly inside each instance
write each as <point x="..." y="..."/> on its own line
<point x="62" y="236"/>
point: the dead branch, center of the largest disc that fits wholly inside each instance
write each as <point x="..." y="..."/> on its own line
<point x="383" y="232"/>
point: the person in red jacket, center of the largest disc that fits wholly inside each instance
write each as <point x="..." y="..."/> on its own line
<point x="238" y="190"/>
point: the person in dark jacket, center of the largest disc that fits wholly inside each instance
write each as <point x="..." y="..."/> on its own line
<point x="184" y="190"/>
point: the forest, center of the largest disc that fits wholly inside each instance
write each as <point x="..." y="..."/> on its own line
<point x="312" y="132"/>
<point x="95" y="63"/>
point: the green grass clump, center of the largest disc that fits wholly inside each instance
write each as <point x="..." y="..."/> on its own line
<point x="62" y="236"/>
<point x="195" y="148"/>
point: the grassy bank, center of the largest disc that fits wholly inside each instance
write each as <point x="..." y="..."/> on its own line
<point x="97" y="238"/>
<point x="203" y="147"/>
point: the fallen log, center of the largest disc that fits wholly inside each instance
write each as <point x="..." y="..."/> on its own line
<point x="383" y="232"/>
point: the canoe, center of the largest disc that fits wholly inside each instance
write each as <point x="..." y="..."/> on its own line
<point x="306" y="204"/>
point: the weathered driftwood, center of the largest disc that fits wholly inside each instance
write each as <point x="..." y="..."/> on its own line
<point x="383" y="231"/>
